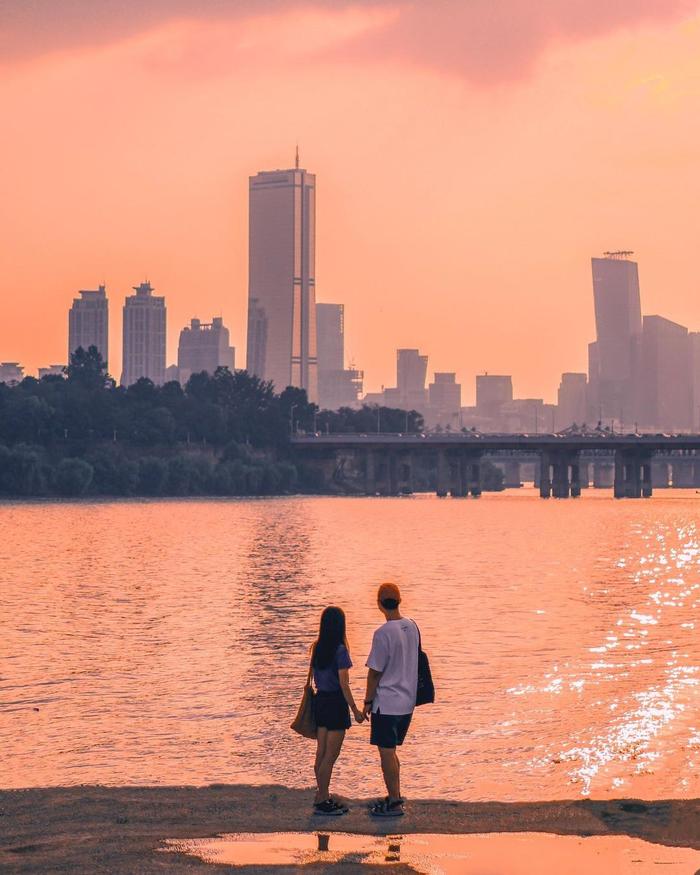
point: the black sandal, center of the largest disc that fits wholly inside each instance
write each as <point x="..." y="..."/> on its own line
<point x="388" y="808"/>
<point x="329" y="808"/>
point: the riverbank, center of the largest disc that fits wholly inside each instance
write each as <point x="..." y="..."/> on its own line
<point x="120" y="829"/>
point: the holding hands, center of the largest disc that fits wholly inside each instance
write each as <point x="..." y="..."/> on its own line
<point x="359" y="715"/>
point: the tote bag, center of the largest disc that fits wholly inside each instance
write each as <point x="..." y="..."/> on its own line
<point x="425" y="692"/>
<point x="305" y="721"/>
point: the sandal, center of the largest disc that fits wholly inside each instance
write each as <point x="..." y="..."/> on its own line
<point x="329" y="808"/>
<point x="388" y="808"/>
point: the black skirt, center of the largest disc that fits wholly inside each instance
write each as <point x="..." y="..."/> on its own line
<point x="332" y="711"/>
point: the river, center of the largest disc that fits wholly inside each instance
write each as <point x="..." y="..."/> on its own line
<point x="166" y="642"/>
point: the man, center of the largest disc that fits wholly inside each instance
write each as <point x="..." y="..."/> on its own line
<point x="392" y="680"/>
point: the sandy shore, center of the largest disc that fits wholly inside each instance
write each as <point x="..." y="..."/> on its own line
<point x="119" y="829"/>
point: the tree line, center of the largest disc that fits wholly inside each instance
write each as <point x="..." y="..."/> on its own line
<point x="221" y="434"/>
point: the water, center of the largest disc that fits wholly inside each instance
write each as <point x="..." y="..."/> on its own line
<point x="167" y="641"/>
<point x="476" y="854"/>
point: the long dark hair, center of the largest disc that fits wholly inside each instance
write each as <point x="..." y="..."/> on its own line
<point x="331" y="634"/>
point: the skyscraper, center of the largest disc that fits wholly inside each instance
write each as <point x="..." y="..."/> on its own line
<point x="411" y="371"/>
<point x="571" y="400"/>
<point x="445" y="399"/>
<point x="282" y="278"/>
<point x="338" y="386"/>
<point x="666" y="375"/>
<point x="88" y="322"/>
<point x="618" y="319"/>
<point x="144" y="336"/>
<point x="204" y="347"/>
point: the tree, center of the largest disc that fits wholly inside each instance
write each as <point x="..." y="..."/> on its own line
<point x="88" y="369"/>
<point x="72" y="477"/>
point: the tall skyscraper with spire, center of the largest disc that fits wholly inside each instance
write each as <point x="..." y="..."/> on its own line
<point x="282" y="278"/>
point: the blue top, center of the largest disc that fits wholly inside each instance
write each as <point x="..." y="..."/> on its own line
<point x="326" y="679"/>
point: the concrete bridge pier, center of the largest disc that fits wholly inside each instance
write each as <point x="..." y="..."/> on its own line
<point x="584" y="474"/>
<point x="473" y="483"/>
<point x="443" y="473"/>
<point x="406" y="474"/>
<point x="683" y="474"/>
<point x="660" y="475"/>
<point x="632" y="475"/>
<point x="545" y="477"/>
<point x="576" y="478"/>
<point x="696" y="474"/>
<point x="560" y="481"/>
<point x="603" y="475"/>
<point x="511" y="474"/>
<point x="370" y="473"/>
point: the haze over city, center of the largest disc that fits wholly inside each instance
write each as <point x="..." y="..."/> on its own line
<point x="464" y="179"/>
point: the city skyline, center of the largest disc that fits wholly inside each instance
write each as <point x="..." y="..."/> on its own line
<point x="428" y="172"/>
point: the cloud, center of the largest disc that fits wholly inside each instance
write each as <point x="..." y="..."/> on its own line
<point x="484" y="41"/>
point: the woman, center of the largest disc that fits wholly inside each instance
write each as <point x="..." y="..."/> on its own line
<point x="331" y="663"/>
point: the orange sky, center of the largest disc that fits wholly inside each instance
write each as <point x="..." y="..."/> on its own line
<point x="469" y="162"/>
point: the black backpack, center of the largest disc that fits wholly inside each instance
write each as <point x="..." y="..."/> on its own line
<point x="425" y="692"/>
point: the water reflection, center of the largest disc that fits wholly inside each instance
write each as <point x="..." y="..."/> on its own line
<point x="497" y="853"/>
<point x="167" y="642"/>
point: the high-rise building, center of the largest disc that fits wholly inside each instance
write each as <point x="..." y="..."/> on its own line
<point x="694" y="352"/>
<point x="282" y="279"/>
<point x="411" y="372"/>
<point x="571" y="400"/>
<point x="666" y="375"/>
<point x="204" y="346"/>
<point x="444" y="399"/>
<point x="330" y="336"/>
<point x="492" y="392"/>
<point x="618" y="320"/>
<point x="11" y="372"/>
<point x="88" y="322"/>
<point x="338" y="386"/>
<point x="144" y="336"/>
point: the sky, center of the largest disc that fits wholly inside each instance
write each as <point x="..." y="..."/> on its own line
<point x="471" y="156"/>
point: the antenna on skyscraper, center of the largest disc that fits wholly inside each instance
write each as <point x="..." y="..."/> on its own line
<point x="296" y="159"/>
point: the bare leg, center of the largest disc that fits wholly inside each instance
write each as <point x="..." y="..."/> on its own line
<point x="391" y="771"/>
<point x="321" y="740"/>
<point x="334" y="741"/>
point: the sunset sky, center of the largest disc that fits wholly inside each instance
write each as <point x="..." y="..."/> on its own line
<point x="471" y="156"/>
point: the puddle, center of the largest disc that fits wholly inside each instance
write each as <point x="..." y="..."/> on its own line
<point x="477" y="854"/>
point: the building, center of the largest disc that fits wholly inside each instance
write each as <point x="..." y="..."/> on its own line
<point x="11" y="372"/>
<point x="88" y="322"/>
<point x="694" y="354"/>
<point x="144" y="336"/>
<point x="338" y="386"/>
<point x="52" y="371"/>
<point x="204" y="346"/>
<point x="172" y="374"/>
<point x="330" y="337"/>
<point x="572" y="400"/>
<point x="492" y="392"/>
<point x="411" y="373"/>
<point x="614" y="359"/>
<point x="282" y="278"/>
<point x="666" y="395"/>
<point x="444" y="400"/>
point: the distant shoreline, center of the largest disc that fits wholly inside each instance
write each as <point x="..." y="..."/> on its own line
<point x="120" y="829"/>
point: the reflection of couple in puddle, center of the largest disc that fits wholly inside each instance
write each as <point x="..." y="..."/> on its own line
<point x="398" y="679"/>
<point x="392" y="853"/>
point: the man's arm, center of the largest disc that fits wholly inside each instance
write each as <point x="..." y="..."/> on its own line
<point x="372" y="683"/>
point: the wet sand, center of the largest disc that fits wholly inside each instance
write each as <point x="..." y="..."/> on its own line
<point x="93" y="829"/>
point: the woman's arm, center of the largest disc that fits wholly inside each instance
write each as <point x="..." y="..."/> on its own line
<point x="344" y="678"/>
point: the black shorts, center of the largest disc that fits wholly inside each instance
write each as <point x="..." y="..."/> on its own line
<point x="389" y="730"/>
<point x="332" y="711"/>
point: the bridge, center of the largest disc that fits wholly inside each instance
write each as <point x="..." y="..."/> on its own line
<point x="386" y="461"/>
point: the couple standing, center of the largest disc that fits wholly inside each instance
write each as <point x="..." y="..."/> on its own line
<point x="392" y="681"/>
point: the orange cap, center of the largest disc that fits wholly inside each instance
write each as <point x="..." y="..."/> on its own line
<point x="389" y="591"/>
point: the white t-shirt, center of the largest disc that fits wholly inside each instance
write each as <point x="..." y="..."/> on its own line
<point x="395" y="653"/>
